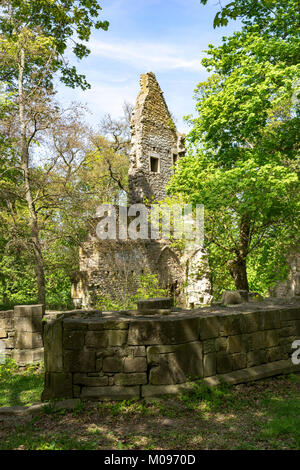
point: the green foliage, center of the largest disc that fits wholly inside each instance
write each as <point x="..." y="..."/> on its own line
<point x="53" y="24"/>
<point x="285" y="420"/>
<point x="147" y="287"/>
<point x="19" y="388"/>
<point x="244" y="148"/>
<point x="275" y="16"/>
<point x="202" y="394"/>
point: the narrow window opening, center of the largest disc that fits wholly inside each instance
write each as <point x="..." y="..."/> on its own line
<point x="154" y="164"/>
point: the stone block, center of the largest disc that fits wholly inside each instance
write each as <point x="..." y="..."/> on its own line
<point x="136" y="364"/>
<point x="239" y="361"/>
<point x="271" y="338"/>
<point x="53" y="335"/>
<point x="27" y="340"/>
<point x="57" y="385"/>
<point x="163" y="331"/>
<point x="297" y="327"/>
<point x="209" y="364"/>
<point x="112" y="364"/>
<point x="96" y="339"/>
<point x="209" y="327"/>
<point x="221" y="344"/>
<point x="237" y="344"/>
<point x="154" y="304"/>
<point x="111" y="393"/>
<point x="251" y="321"/>
<point x="292" y="313"/>
<point x="105" y="338"/>
<point x="287" y="331"/>
<point x="116" y="337"/>
<point x="28" y="311"/>
<point x="136" y="351"/>
<point x="231" y="325"/>
<point x="83" y="360"/>
<point x="83" y="379"/>
<point x="234" y="297"/>
<point x="99" y="364"/>
<point x="177" y="366"/>
<point x="271" y="320"/>
<point x="107" y="325"/>
<point x="32" y="323"/>
<point x="9" y="343"/>
<point x="255" y="358"/>
<point x="130" y="379"/>
<point x="209" y="346"/>
<point x="74" y="324"/>
<point x="224" y="363"/>
<point x="3" y="334"/>
<point x="27" y="356"/>
<point x="76" y="391"/>
<point x="7" y="320"/>
<point x="154" y="353"/>
<point x="275" y="354"/>
<point x="73" y="339"/>
<point x="256" y="340"/>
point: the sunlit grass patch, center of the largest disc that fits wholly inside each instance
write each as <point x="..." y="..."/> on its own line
<point x="284" y="419"/>
<point x="20" y="387"/>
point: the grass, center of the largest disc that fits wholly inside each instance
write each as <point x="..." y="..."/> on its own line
<point x="20" y="387"/>
<point x="264" y="415"/>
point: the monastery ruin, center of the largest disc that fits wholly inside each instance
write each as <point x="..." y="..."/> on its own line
<point x="111" y="267"/>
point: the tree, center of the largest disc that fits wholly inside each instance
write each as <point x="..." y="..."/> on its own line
<point x="33" y="40"/>
<point x="272" y="16"/>
<point x="244" y="144"/>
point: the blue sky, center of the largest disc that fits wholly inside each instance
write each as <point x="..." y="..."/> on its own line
<point x="166" y="37"/>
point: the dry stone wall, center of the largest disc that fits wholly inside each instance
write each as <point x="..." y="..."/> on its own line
<point x="21" y="334"/>
<point x="115" y="356"/>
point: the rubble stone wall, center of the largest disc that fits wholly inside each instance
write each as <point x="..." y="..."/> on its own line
<point x="112" y="268"/>
<point x="118" y="357"/>
<point x="21" y="334"/>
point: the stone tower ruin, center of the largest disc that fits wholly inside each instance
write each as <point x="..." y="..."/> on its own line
<point x="111" y="268"/>
<point x="156" y="144"/>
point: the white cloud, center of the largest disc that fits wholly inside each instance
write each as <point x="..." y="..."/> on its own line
<point x="147" y="55"/>
<point x="104" y="98"/>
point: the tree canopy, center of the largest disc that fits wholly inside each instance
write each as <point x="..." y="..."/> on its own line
<point x="244" y="143"/>
<point x="54" y="25"/>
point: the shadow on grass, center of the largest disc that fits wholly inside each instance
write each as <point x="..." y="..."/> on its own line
<point x="19" y="388"/>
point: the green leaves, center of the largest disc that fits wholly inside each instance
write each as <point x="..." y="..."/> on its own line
<point x="244" y="142"/>
<point x="52" y="23"/>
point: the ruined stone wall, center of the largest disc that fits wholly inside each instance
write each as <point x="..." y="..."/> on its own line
<point x="122" y="357"/>
<point x="21" y="334"/>
<point x="290" y="287"/>
<point x="110" y="268"/>
<point x="154" y="135"/>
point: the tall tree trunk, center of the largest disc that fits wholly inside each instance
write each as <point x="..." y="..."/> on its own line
<point x="238" y="266"/>
<point x="238" y="271"/>
<point x="35" y="240"/>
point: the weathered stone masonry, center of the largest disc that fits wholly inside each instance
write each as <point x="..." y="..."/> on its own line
<point x="21" y="333"/>
<point x="109" y="268"/>
<point x="121" y="357"/>
<point x="156" y="144"/>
